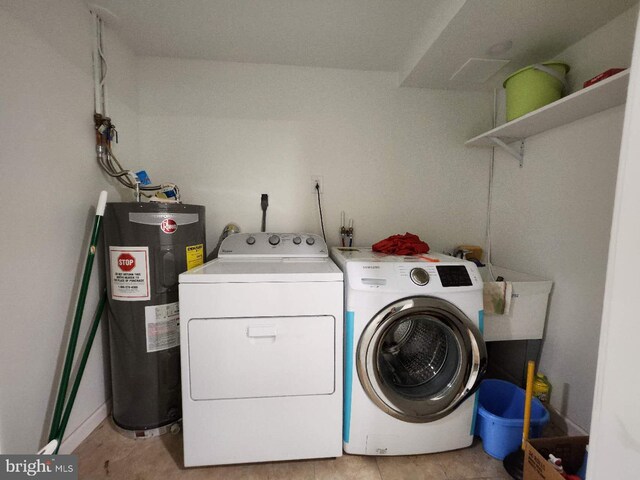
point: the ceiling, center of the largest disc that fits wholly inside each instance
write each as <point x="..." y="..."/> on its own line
<point x="425" y="41"/>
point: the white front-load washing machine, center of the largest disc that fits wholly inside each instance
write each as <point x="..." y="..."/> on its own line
<point x="261" y="352"/>
<point x="414" y="353"/>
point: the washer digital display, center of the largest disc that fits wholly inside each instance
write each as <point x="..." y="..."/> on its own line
<point x="454" y="276"/>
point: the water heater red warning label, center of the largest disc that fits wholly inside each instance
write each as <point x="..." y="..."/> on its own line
<point x="129" y="267"/>
<point x="126" y="262"/>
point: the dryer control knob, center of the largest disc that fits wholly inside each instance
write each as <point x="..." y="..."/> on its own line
<point x="251" y="240"/>
<point x="311" y="241"/>
<point x="274" y="239"/>
<point x="419" y="276"/>
<point x="297" y="240"/>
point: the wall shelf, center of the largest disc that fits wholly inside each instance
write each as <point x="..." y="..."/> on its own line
<point x="603" y="95"/>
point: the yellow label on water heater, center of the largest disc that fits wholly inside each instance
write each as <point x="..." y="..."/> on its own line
<point x="195" y="256"/>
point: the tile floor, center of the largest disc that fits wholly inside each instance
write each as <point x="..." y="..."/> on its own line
<point x="106" y="454"/>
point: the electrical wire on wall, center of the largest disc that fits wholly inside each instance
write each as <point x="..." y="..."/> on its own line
<point x="490" y="193"/>
<point x="264" y="204"/>
<point x="320" y="210"/>
<point x="106" y="134"/>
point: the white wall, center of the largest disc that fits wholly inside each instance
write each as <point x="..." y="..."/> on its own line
<point x="607" y="47"/>
<point x="552" y="218"/>
<point x="393" y="159"/>
<point x="50" y="184"/>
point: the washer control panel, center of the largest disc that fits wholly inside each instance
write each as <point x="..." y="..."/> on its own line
<point x="412" y="276"/>
<point x="262" y="244"/>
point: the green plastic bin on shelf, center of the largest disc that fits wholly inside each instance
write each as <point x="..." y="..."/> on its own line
<point x="533" y="87"/>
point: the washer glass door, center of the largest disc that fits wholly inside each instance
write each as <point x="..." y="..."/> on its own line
<point x="420" y="358"/>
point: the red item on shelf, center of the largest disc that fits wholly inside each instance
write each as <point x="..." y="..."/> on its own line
<point x="602" y="76"/>
<point x="407" y="244"/>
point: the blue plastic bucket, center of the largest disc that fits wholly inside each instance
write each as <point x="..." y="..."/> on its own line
<point x="500" y="417"/>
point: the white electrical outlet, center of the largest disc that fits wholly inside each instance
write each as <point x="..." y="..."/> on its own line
<point x="316" y="179"/>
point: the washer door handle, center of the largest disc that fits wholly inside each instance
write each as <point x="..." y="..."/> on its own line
<point x="262" y="331"/>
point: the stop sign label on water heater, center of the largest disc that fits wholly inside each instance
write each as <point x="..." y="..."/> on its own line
<point x="126" y="262"/>
<point x="129" y="269"/>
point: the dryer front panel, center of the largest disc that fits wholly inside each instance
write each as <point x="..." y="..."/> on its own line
<point x="419" y="358"/>
<point x="261" y="357"/>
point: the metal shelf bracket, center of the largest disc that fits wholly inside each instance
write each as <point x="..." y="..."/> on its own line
<point x="517" y="154"/>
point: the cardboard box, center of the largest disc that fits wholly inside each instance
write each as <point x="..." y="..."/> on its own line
<point x="536" y="456"/>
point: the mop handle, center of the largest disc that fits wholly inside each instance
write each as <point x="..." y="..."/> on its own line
<point x="531" y="366"/>
<point x="102" y="203"/>
<point x="83" y="363"/>
<point x="77" y="320"/>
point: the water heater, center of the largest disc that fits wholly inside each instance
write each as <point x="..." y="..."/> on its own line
<point x="147" y="245"/>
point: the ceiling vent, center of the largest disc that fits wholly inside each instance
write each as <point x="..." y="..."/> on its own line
<point x="478" y="70"/>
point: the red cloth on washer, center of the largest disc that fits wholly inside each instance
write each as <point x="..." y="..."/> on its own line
<point x="407" y="244"/>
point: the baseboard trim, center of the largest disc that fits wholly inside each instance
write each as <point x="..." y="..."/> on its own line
<point x="567" y="426"/>
<point x="75" y="438"/>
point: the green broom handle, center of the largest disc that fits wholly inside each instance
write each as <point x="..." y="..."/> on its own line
<point x="83" y="364"/>
<point x="77" y="320"/>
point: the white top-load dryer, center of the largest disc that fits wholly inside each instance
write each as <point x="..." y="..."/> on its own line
<point x="261" y="351"/>
<point x="414" y="353"/>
